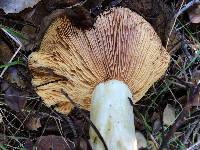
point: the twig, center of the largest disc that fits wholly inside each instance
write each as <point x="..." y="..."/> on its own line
<point x="91" y="123"/>
<point x="187" y="6"/>
<point x="78" y="4"/>
<point x="61" y="131"/>
<point x="175" y="18"/>
<point x="195" y="146"/>
<point x="196" y="130"/>
<point x="186" y="84"/>
<point x="184" y="48"/>
<point x="154" y="141"/>
<point x="181" y="11"/>
<point x="189" y="132"/>
<point x="17" y="51"/>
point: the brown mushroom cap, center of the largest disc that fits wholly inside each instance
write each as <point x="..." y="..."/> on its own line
<point x="122" y="46"/>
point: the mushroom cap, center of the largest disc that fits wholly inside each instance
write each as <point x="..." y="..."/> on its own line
<point x="122" y="45"/>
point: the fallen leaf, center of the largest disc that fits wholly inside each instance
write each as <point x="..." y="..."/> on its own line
<point x="33" y="123"/>
<point x="12" y="75"/>
<point x="15" y="6"/>
<point x="14" y="97"/>
<point x="81" y="144"/>
<point x="169" y="115"/>
<point x="29" y="31"/>
<point x="141" y="141"/>
<point x="52" y="142"/>
<point x="53" y="4"/>
<point x="5" y="52"/>
<point x="194" y="13"/>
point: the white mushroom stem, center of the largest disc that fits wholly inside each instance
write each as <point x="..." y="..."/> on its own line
<point x="112" y="114"/>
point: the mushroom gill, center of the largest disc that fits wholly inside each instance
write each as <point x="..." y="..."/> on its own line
<point x="121" y="46"/>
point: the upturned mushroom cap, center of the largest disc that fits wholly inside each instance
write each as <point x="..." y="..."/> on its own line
<point x="122" y="46"/>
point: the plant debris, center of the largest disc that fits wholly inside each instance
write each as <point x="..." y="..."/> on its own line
<point x="15" y="6"/>
<point x="52" y="142"/>
<point x="15" y="98"/>
<point x="26" y="122"/>
<point x="169" y="115"/>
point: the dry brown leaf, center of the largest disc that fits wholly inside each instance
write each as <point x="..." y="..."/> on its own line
<point x="14" y="97"/>
<point x="82" y="144"/>
<point x="52" y="142"/>
<point x="5" y="52"/>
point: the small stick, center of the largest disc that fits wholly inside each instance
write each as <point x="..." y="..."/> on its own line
<point x="93" y="126"/>
<point x="195" y="146"/>
<point x="187" y="6"/>
<point x="187" y="84"/>
<point x="175" y="18"/>
<point x="189" y="132"/>
<point x="154" y="141"/>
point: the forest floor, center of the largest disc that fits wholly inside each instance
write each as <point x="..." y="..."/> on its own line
<point x="167" y="117"/>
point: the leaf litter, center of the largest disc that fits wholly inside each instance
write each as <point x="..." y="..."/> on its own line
<point x="15" y="6"/>
<point x="26" y="116"/>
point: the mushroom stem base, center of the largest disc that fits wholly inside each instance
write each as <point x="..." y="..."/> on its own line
<point x="112" y="114"/>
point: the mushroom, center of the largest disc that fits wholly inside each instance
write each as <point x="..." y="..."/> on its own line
<point x="101" y="69"/>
